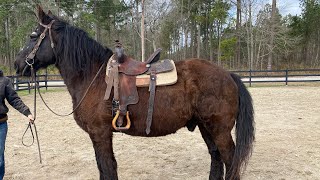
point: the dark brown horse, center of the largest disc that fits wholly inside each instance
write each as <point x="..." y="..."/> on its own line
<point x="205" y="96"/>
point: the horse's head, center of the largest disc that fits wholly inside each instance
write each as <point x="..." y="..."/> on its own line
<point x="39" y="49"/>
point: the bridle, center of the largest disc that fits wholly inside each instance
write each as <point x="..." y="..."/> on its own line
<point x="32" y="54"/>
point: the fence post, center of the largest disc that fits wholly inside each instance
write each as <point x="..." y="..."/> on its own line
<point x="250" y="73"/>
<point x="286" y="77"/>
<point x="29" y="88"/>
<point x="46" y="79"/>
<point x="37" y="83"/>
<point x="16" y="83"/>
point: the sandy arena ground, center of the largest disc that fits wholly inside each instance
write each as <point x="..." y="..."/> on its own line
<point x="287" y="143"/>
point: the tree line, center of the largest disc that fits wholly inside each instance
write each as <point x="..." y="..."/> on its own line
<point x="235" y="34"/>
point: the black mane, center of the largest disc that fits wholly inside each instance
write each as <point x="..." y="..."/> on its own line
<point x="76" y="51"/>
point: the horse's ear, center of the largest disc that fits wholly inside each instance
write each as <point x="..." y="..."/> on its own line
<point x="41" y="14"/>
<point x="50" y="13"/>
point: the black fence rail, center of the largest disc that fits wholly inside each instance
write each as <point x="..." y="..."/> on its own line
<point x="249" y="76"/>
<point x="44" y="81"/>
<point x="279" y="76"/>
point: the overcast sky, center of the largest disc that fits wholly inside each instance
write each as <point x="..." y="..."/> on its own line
<point x="288" y="7"/>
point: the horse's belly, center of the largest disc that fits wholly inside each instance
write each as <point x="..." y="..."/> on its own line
<point x="171" y="112"/>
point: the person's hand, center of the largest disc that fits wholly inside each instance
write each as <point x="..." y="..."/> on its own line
<point x="31" y="118"/>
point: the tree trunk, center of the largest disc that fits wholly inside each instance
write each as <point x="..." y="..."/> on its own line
<point x="185" y="43"/>
<point x="154" y="44"/>
<point x="193" y="39"/>
<point x="248" y="35"/>
<point x="219" y="25"/>
<point x="98" y="32"/>
<point x="271" y="45"/>
<point x="251" y="39"/>
<point x="198" y="37"/>
<point x="96" y="26"/>
<point x="211" y="44"/>
<point x="238" y="25"/>
<point x="258" y="55"/>
<point x="317" y="52"/>
<point x="198" y="41"/>
<point x="8" y="44"/>
<point x="142" y="32"/>
<point x="134" y="41"/>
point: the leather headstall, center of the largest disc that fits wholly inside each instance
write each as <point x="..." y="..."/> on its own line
<point x="41" y="37"/>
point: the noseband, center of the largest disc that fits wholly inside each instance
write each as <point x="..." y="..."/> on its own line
<point x="39" y="40"/>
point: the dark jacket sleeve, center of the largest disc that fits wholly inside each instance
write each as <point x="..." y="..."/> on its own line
<point x="8" y="82"/>
<point x="15" y="101"/>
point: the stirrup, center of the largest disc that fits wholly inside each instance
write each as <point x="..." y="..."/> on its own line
<point x="115" y="120"/>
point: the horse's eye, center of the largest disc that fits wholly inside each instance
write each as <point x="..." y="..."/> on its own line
<point x="34" y="35"/>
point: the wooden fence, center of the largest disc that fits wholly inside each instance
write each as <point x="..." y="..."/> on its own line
<point x="44" y="80"/>
<point x="279" y="76"/>
<point x="249" y="76"/>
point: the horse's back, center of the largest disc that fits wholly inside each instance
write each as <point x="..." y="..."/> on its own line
<point x="205" y="75"/>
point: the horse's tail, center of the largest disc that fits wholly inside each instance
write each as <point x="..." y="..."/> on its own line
<point x="244" y="129"/>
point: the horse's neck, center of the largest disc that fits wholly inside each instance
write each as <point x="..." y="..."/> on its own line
<point x="77" y="85"/>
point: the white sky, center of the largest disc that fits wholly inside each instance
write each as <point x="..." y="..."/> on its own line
<point x="288" y="7"/>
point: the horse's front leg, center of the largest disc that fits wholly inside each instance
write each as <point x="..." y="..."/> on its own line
<point x="101" y="138"/>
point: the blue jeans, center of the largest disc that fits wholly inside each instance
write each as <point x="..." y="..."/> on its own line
<point x="3" y="135"/>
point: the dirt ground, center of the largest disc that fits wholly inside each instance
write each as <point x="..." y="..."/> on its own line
<point x="287" y="143"/>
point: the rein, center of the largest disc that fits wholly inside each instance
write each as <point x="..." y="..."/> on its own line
<point x="78" y="105"/>
<point x="33" y="76"/>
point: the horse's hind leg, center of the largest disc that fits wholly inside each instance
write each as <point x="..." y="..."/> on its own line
<point x="225" y="144"/>
<point x="102" y="144"/>
<point x="216" y="170"/>
<point x="221" y="134"/>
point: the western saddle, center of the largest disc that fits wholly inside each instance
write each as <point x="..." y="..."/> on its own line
<point x="122" y="72"/>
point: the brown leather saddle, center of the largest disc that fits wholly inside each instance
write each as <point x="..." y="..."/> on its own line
<point x="121" y="75"/>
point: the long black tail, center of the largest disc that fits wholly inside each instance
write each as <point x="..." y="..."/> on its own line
<point x="245" y="131"/>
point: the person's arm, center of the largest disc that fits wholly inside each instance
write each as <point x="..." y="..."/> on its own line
<point x="15" y="101"/>
<point x="8" y="82"/>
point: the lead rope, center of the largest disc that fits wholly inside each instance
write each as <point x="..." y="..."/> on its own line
<point x="33" y="78"/>
<point x="83" y="97"/>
